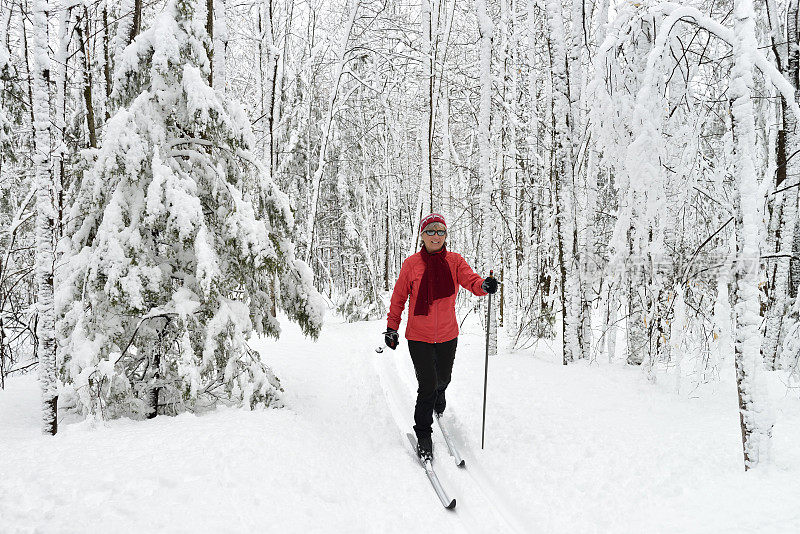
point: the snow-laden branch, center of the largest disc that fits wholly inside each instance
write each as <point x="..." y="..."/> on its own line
<point x="21" y="217"/>
<point x="677" y="12"/>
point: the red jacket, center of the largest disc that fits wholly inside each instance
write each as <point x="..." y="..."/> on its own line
<point x="440" y="324"/>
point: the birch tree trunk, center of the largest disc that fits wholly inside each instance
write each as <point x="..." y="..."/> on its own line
<point x="563" y="187"/>
<point x="513" y="185"/>
<point x="427" y="98"/>
<point x="636" y="328"/>
<point x="611" y="328"/>
<point x="268" y="63"/>
<point x="486" y="28"/>
<point x="755" y="419"/>
<point x="581" y="195"/>
<point x="106" y="40"/>
<point x="45" y="216"/>
<point x="442" y="107"/>
<point x="452" y="154"/>
<point x="794" y="265"/>
<point x="416" y="217"/>
<point x="530" y="253"/>
<point x="446" y="164"/>
<point x="387" y="222"/>
<point x="58" y="117"/>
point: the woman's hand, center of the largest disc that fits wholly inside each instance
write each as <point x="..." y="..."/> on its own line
<point x="490" y="285"/>
<point x="390" y="337"/>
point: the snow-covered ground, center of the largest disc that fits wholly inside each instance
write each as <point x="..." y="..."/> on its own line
<point x="568" y="449"/>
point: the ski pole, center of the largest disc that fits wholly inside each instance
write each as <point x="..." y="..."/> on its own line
<point x="486" y="366"/>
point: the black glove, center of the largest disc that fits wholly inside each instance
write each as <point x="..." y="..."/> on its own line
<point x="390" y="337"/>
<point x="490" y="285"/>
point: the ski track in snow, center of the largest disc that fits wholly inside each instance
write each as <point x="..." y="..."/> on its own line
<point x="474" y="493"/>
<point x="584" y="448"/>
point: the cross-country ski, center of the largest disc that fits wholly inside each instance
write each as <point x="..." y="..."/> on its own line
<point x="427" y="465"/>
<point x="451" y="446"/>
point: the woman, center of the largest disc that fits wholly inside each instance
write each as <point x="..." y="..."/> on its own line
<point x="431" y="277"/>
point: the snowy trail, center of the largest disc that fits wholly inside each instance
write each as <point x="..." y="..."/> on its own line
<point x="587" y="448"/>
<point x="330" y="461"/>
<point x="500" y="502"/>
<point x="478" y="504"/>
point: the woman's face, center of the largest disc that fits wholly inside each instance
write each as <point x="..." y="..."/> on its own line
<point x="435" y="242"/>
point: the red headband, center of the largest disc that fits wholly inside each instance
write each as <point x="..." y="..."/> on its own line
<point x="430" y="219"/>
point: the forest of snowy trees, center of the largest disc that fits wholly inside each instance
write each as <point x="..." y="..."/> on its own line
<point x="177" y="174"/>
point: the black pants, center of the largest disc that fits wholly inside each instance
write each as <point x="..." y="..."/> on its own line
<point x="433" y="364"/>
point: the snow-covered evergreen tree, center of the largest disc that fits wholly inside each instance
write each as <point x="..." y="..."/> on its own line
<point x="167" y="270"/>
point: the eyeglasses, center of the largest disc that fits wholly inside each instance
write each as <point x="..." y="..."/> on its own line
<point x="435" y="232"/>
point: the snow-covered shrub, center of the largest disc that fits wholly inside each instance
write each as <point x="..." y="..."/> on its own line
<point x="355" y="305"/>
<point x="175" y="240"/>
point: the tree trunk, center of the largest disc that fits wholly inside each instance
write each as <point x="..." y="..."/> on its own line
<point x="216" y="28"/>
<point x="29" y="73"/>
<point x="564" y="188"/>
<point x="136" y="25"/>
<point x="484" y="119"/>
<point x="638" y="297"/>
<point x="269" y="67"/>
<point x="611" y="327"/>
<point x="87" y="77"/>
<point x="531" y="230"/>
<point x="446" y="166"/>
<point x="486" y="27"/>
<point x="45" y="215"/>
<point x="210" y="32"/>
<point x="579" y="196"/>
<point x="794" y="264"/>
<point x="509" y="188"/>
<point x="2" y="355"/>
<point x="755" y="419"/>
<point x="386" y="263"/>
<point x="154" y="390"/>
<point x="427" y="98"/>
<point x="58" y="73"/>
<point x="277" y="93"/>
<point x="778" y="310"/>
<point x="107" y="64"/>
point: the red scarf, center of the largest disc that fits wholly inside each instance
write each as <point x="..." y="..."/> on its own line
<point x="437" y="280"/>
